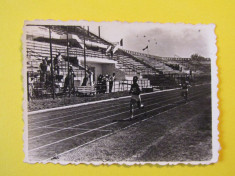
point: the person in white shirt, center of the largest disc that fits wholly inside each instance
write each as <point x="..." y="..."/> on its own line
<point x="111" y="80"/>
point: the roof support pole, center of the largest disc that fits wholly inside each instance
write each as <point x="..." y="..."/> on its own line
<point x="69" y="77"/>
<point x="84" y="50"/>
<point x="52" y="65"/>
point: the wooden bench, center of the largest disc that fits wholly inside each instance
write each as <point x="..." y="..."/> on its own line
<point x="85" y="90"/>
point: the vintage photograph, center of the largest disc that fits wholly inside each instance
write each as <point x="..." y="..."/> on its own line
<point x="120" y="93"/>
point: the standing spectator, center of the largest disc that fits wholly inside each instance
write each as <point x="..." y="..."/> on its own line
<point x="48" y="72"/>
<point x="99" y="84"/>
<point x="57" y="60"/>
<point x="47" y="61"/>
<point x="78" y="61"/>
<point x="84" y="82"/>
<point x="107" y="83"/>
<point x="91" y="78"/>
<point x="104" y="86"/>
<point x="43" y="69"/>
<point x="69" y="80"/>
<point x="111" y="80"/>
<point x="47" y="64"/>
<point x="72" y="75"/>
<point x="66" y="83"/>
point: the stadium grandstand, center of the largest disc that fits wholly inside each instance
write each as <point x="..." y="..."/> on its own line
<point x="175" y="69"/>
<point x="73" y="60"/>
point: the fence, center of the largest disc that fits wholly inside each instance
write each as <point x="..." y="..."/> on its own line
<point x="38" y="89"/>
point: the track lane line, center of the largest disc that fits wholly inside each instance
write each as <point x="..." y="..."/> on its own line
<point x="150" y="98"/>
<point x="94" y="102"/>
<point x="112" y="99"/>
<point x="97" y="119"/>
<point x="120" y="129"/>
<point x="79" y="118"/>
<point x="70" y="137"/>
<point x="99" y="127"/>
<point x="88" y="108"/>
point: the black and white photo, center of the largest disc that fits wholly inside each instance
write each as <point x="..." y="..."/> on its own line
<point x="120" y="93"/>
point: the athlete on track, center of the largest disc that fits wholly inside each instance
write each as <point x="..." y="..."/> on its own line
<point x="135" y="96"/>
<point x="185" y="85"/>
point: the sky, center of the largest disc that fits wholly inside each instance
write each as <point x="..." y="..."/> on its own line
<point x="166" y="40"/>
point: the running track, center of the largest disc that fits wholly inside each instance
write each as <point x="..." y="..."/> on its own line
<point x="60" y="131"/>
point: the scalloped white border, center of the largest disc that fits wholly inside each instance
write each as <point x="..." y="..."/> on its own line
<point x="214" y="98"/>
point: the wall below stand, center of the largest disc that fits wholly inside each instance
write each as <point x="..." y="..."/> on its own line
<point x="110" y="69"/>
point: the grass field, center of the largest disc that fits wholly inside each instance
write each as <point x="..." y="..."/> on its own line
<point x="65" y="100"/>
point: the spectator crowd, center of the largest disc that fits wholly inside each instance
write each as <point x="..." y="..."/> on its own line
<point x="50" y="71"/>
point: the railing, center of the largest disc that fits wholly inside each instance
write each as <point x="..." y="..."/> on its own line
<point x="120" y="86"/>
<point x="141" y="61"/>
<point x="141" y="54"/>
<point x="127" y="64"/>
<point x="43" y="49"/>
<point x="38" y="89"/>
<point x="33" y="65"/>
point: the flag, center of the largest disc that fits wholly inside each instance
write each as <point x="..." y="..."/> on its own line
<point x="121" y="42"/>
<point x="115" y="49"/>
<point x="108" y="49"/>
<point x="146" y="48"/>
